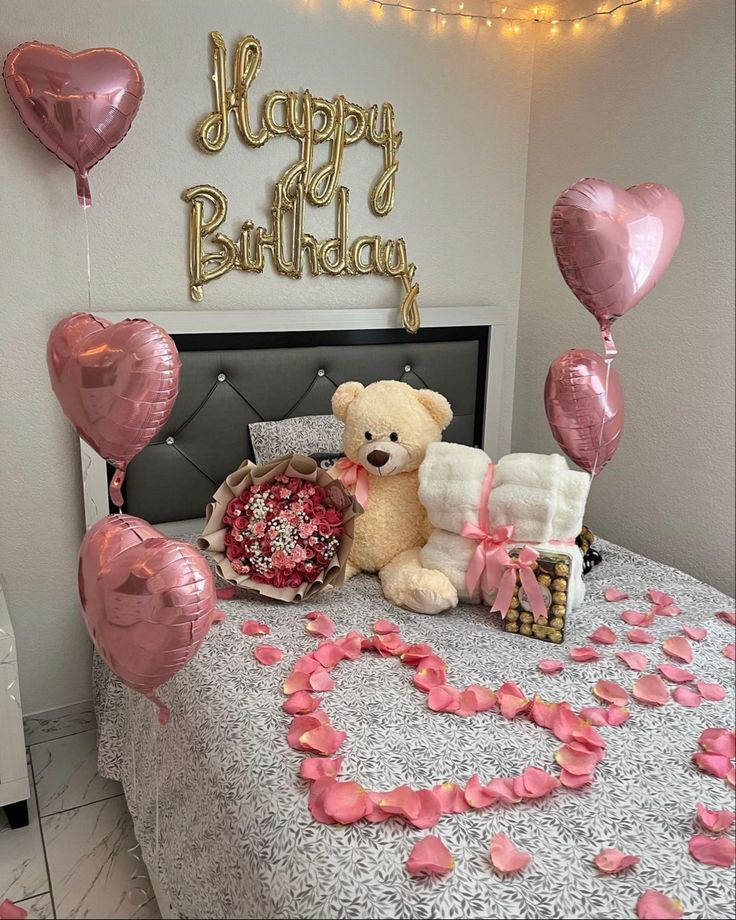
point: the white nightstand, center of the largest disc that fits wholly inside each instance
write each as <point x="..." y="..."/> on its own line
<point x="14" y="788"/>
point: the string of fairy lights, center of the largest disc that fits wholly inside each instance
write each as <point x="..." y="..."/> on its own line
<point x="510" y="18"/>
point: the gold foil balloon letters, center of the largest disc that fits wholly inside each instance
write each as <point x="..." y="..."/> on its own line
<point x="311" y="121"/>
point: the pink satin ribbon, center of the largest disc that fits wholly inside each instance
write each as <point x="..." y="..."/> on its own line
<point x="354" y="477"/>
<point x="491" y="563"/>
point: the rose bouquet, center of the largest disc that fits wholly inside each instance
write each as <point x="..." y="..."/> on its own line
<point x="283" y="529"/>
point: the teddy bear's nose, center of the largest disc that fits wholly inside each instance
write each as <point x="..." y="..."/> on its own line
<point x="378" y="457"/>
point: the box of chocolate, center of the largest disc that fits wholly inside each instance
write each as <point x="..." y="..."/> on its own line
<point x="552" y="571"/>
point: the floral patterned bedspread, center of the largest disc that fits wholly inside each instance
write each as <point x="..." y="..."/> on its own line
<point x="233" y="837"/>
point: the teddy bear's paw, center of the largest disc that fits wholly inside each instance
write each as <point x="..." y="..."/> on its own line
<point x="429" y="592"/>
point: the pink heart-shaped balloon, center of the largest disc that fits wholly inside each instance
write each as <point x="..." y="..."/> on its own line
<point x="117" y="383"/>
<point x="612" y="244"/>
<point x="148" y="602"/>
<point x="585" y="413"/>
<point x="79" y="105"/>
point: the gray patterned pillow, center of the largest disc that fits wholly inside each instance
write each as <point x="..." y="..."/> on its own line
<point x="309" y="434"/>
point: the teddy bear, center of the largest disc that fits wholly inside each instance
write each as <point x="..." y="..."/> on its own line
<point x="388" y="426"/>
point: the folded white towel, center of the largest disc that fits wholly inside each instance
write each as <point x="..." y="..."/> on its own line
<point x="536" y="493"/>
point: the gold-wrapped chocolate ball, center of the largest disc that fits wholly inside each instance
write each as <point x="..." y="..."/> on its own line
<point x="514" y="603"/>
<point x="525" y="629"/>
<point x="559" y="584"/>
<point x="557" y="623"/>
<point x="545" y="580"/>
<point x="555" y="637"/>
<point x="542" y="621"/>
<point x="512" y="616"/>
<point x="558" y="610"/>
<point x="511" y="627"/>
<point x="562" y="568"/>
<point x="559" y="597"/>
<point x="527" y="617"/>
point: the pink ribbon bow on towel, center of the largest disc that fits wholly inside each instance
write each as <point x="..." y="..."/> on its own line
<point x="492" y="564"/>
<point x="354" y="477"/>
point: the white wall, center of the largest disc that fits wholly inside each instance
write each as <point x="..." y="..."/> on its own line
<point x="650" y="100"/>
<point x="463" y="104"/>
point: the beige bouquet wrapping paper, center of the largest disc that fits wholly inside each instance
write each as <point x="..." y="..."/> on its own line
<point x="248" y="474"/>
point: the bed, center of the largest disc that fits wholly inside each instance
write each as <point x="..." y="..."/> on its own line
<point x="218" y="806"/>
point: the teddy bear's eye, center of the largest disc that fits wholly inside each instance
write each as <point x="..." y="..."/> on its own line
<point x="394" y="436"/>
<point x="368" y="436"/>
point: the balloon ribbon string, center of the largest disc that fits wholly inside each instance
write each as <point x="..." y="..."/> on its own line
<point x="604" y="416"/>
<point x="85" y="208"/>
<point x="155" y="767"/>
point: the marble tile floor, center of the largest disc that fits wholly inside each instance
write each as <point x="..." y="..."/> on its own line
<point x="73" y="860"/>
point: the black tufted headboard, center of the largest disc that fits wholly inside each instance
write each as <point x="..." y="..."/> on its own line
<point x="231" y="379"/>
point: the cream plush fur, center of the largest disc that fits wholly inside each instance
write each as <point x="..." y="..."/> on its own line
<point x="388" y="426"/>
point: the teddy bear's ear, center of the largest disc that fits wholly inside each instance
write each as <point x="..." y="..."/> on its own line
<point x="343" y="397"/>
<point x="437" y="406"/>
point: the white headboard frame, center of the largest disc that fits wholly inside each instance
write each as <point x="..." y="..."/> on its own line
<point x="499" y="386"/>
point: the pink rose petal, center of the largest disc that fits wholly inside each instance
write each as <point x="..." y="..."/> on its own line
<point x="577" y="762"/>
<point x="427" y="678"/>
<point x="444" y="699"/>
<point x="321" y="681"/>
<point x="564" y="723"/>
<point x="11" y="911"/>
<point x="322" y="740"/>
<point x="375" y="813"/>
<point x="588" y="737"/>
<point x="511" y="705"/>
<point x="594" y="714"/>
<point x="653" y="905"/>
<point x="679" y="648"/>
<point x="300" y="703"/>
<point x="715" y="821"/>
<point x="610" y="692"/>
<point x="659" y="598"/>
<point x="650" y="689"/>
<point x="382" y="627"/>
<point x="267" y="654"/>
<point x="575" y="781"/>
<point x="637" y="618"/>
<point x="350" y="645"/>
<point x="730" y="651"/>
<point x="604" y="635"/>
<point x="512" y="689"/>
<point x="451" y="798"/>
<point x="328" y="654"/>
<point x="696" y="633"/>
<point x="614" y="594"/>
<point x="715" y="764"/>
<point x="415" y="653"/>
<point x="313" y="768"/>
<point x="467" y="704"/>
<point x="477" y="795"/>
<point x="402" y="801"/>
<point x="346" y="802"/>
<point x="728" y="616"/>
<point x="584" y="653"/>
<point x="317" y="792"/>
<point x="731" y="777"/>
<point x="686" y="697"/>
<point x="320" y="625"/>
<point x="504" y="789"/>
<point x="429" y="856"/>
<point x="675" y="674"/>
<point x="719" y="741"/>
<point x="666" y="610"/>
<point x="483" y="698"/>
<point x="430" y="810"/>
<point x="634" y="660"/>
<point x="617" y="715"/>
<point x="389" y="644"/>
<point x="301" y="724"/>
<point x="712" y="851"/>
<point x="537" y="783"/>
<point x="640" y="636"/>
<point x="542" y="713"/>
<point x="613" y="860"/>
<point x="505" y="856"/>
<point x="225" y="594"/>
<point x="254" y="628"/>
<point x="714" y="693"/>
<point x="551" y="666"/>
